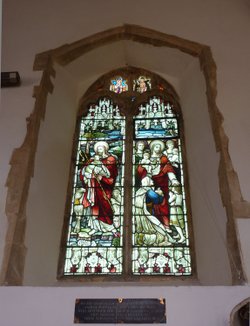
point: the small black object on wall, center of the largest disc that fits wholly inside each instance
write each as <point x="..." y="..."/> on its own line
<point x="10" y="79"/>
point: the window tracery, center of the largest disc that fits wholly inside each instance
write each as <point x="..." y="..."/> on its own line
<point x="128" y="213"/>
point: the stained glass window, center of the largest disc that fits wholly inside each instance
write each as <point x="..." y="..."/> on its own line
<point x="95" y="235"/>
<point x="118" y="85"/>
<point x="141" y="226"/>
<point x="142" y="84"/>
<point x="160" y="232"/>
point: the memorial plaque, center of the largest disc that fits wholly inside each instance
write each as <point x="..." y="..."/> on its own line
<point x="123" y="311"/>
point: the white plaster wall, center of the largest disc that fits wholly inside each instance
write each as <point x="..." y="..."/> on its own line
<point x="34" y="26"/>
<point x="16" y="105"/>
<point x="168" y="62"/>
<point x="208" y="214"/>
<point x="46" y="203"/>
<point x="222" y="24"/>
<point x="243" y="227"/>
<point x="190" y="306"/>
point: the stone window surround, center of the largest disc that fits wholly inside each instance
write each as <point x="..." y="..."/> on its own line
<point x="23" y="158"/>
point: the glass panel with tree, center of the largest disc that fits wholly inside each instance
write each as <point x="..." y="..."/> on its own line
<point x="95" y="233"/>
<point x="160" y="230"/>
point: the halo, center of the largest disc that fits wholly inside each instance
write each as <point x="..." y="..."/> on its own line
<point x="101" y="143"/>
<point x="157" y="142"/>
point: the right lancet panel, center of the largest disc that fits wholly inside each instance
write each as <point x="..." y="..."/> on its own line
<point x="160" y="227"/>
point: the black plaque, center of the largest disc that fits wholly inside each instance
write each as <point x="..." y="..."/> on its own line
<point x="125" y="311"/>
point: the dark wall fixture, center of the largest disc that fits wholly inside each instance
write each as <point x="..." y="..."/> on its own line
<point x="10" y="79"/>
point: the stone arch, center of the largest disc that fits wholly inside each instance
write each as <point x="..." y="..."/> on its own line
<point x="129" y="109"/>
<point x="23" y="158"/>
<point x="240" y="314"/>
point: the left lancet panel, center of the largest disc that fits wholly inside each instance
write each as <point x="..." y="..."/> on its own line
<point x="95" y="231"/>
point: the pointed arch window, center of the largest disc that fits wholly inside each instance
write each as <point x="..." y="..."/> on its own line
<point x="128" y="212"/>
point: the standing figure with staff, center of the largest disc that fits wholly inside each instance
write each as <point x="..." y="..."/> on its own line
<point x="98" y="177"/>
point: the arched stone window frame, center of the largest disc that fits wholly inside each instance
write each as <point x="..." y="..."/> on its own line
<point x="23" y="158"/>
<point x="128" y="103"/>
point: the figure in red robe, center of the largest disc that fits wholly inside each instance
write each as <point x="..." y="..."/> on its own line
<point x="163" y="174"/>
<point x="98" y="176"/>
